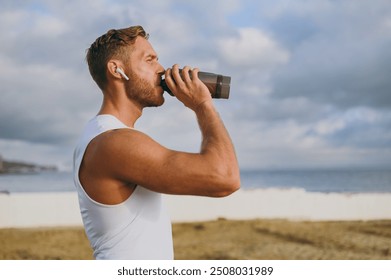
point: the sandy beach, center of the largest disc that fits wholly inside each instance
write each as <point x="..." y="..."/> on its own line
<point x="224" y="239"/>
<point x="258" y="224"/>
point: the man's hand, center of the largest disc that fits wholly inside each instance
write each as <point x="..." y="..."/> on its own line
<point x="189" y="89"/>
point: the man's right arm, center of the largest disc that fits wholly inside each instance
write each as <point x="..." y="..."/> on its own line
<point x="216" y="148"/>
<point x="216" y="145"/>
<point x="132" y="157"/>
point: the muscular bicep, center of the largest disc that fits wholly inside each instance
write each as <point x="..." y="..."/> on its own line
<point x="132" y="156"/>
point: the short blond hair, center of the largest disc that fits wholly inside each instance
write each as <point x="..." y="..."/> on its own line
<point x="111" y="45"/>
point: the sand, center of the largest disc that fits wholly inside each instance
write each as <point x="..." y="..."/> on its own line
<point x="258" y="224"/>
<point x="224" y="239"/>
<point x="26" y="210"/>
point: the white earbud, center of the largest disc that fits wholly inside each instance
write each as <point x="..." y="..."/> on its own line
<point x="121" y="72"/>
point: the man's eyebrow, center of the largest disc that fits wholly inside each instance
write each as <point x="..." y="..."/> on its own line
<point x="153" y="56"/>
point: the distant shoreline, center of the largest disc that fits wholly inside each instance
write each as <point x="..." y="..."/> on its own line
<point x="15" y="167"/>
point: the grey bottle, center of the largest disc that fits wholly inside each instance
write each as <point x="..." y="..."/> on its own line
<point x="217" y="84"/>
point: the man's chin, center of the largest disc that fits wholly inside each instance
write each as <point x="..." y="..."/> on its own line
<point x="156" y="102"/>
<point x="161" y="102"/>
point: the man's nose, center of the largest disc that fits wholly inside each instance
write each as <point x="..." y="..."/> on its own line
<point x="161" y="70"/>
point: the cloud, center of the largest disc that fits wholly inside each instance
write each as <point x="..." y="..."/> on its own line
<point x="310" y="80"/>
<point x="252" y="48"/>
<point x="344" y="62"/>
<point x="40" y="102"/>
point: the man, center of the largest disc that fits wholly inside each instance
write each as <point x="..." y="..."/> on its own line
<point x="120" y="172"/>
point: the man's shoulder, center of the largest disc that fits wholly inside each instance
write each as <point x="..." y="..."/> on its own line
<point x="117" y="140"/>
<point x="113" y="136"/>
<point x="110" y="146"/>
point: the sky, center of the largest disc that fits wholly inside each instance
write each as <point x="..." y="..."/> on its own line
<point x="310" y="80"/>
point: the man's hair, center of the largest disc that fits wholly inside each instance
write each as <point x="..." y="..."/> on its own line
<point x="113" y="44"/>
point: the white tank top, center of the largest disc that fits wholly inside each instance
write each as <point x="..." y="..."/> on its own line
<point x="138" y="228"/>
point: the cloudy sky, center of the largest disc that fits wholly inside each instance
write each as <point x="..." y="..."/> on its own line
<point x="311" y="80"/>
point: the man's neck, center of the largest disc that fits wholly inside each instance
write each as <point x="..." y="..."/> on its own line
<point x="124" y="110"/>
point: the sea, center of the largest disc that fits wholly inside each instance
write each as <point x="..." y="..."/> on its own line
<point x="314" y="180"/>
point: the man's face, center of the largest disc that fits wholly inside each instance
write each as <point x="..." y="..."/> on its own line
<point x="144" y="73"/>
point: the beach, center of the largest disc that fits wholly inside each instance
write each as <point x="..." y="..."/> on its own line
<point x="223" y="239"/>
<point x="251" y="224"/>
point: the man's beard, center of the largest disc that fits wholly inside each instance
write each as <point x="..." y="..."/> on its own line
<point x="142" y="92"/>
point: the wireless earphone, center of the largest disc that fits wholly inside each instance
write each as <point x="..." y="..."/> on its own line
<point x="121" y="72"/>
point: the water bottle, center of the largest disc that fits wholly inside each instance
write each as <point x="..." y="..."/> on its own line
<point x="218" y="85"/>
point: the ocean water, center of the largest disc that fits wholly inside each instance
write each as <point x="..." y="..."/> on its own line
<point x="37" y="182"/>
<point x="324" y="181"/>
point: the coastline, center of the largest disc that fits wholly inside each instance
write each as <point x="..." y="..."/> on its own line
<point x="24" y="210"/>
<point x="15" y="167"/>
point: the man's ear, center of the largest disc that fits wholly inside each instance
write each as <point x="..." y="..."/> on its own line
<point x="112" y="68"/>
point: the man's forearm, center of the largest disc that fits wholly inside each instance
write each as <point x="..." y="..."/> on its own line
<point x="216" y="142"/>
